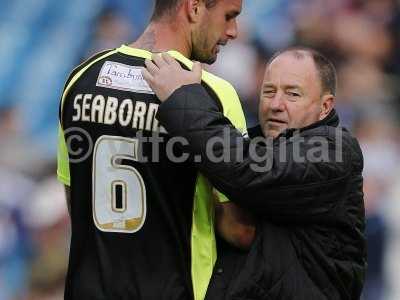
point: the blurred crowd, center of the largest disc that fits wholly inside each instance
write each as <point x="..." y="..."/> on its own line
<point x="362" y="37"/>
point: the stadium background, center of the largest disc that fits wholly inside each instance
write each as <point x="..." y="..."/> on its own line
<point x="41" y="40"/>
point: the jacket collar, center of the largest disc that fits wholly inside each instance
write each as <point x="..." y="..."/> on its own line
<point x="330" y="120"/>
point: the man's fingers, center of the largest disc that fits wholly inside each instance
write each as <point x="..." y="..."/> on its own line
<point x="197" y="70"/>
<point x="169" y="59"/>
<point x="151" y="67"/>
<point x="159" y="60"/>
<point x="147" y="76"/>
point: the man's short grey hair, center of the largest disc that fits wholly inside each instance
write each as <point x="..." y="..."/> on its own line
<point x="325" y="68"/>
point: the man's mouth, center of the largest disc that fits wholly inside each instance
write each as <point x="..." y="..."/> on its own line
<point x="276" y="121"/>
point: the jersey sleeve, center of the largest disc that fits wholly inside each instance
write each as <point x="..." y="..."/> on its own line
<point x="233" y="109"/>
<point x="63" y="174"/>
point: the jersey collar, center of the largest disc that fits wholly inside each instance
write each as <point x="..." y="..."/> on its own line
<point x="147" y="54"/>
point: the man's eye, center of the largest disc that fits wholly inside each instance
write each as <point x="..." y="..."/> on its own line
<point x="293" y="94"/>
<point x="268" y="93"/>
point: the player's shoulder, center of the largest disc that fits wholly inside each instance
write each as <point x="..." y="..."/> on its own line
<point x="226" y="93"/>
<point x="223" y="89"/>
<point x="87" y="63"/>
<point x="218" y="83"/>
<point x="77" y="73"/>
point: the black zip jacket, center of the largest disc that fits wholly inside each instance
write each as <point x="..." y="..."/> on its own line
<point x="310" y="244"/>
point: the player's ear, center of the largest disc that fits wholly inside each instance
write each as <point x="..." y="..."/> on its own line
<point x="194" y="10"/>
<point x="327" y="103"/>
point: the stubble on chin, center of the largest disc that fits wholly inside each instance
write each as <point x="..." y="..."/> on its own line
<point x="272" y="131"/>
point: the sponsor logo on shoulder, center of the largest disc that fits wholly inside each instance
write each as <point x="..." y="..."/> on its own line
<point x="104" y="81"/>
<point x="119" y="76"/>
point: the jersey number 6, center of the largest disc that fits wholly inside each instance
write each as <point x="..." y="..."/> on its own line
<point x="119" y="193"/>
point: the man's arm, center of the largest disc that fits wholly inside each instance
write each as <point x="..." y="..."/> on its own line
<point x="285" y="189"/>
<point x="261" y="181"/>
<point x="234" y="224"/>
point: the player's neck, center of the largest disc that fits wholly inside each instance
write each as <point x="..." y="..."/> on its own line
<point x="164" y="36"/>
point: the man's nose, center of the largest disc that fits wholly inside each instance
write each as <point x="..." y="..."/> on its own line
<point x="232" y="30"/>
<point x="277" y="102"/>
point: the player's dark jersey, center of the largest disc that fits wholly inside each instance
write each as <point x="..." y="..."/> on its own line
<point x="142" y="219"/>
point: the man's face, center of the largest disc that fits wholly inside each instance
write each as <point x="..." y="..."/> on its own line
<point x="217" y="26"/>
<point x="290" y="95"/>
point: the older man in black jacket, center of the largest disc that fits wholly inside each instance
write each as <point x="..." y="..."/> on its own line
<point x="304" y="186"/>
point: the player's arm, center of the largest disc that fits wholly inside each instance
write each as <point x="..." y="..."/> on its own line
<point x="234" y="224"/>
<point x="63" y="172"/>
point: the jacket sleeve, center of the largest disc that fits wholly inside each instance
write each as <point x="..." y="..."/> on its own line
<point x="281" y="179"/>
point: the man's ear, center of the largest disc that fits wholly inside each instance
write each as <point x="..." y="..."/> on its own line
<point x="194" y="10"/>
<point x="327" y="103"/>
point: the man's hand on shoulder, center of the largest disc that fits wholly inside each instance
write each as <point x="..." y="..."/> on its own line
<point x="165" y="75"/>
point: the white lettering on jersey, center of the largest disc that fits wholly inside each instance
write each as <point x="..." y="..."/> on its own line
<point x="77" y="108"/>
<point x="125" y="105"/>
<point x="98" y="106"/>
<point x="140" y="111"/>
<point x="109" y="110"/>
<point x="86" y="108"/>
